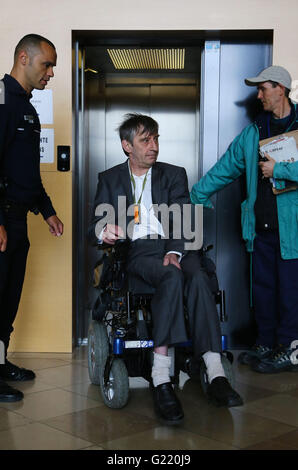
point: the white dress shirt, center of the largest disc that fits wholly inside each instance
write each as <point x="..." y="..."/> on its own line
<point x="149" y="223"/>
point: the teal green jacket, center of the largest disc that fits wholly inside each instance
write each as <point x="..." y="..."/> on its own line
<point x="241" y="157"/>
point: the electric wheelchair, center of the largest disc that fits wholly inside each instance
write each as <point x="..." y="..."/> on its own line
<point x="119" y="338"/>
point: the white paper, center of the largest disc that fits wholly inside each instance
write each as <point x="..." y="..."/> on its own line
<point x="47" y="146"/>
<point x="283" y="149"/>
<point x="42" y="101"/>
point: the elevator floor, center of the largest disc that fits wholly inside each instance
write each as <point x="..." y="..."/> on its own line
<point x="63" y="411"/>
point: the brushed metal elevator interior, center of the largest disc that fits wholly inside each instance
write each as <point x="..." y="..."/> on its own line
<point x="170" y="97"/>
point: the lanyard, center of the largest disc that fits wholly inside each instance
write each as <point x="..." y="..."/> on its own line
<point x="134" y="187"/>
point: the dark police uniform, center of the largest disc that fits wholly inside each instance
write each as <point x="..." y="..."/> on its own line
<point x="20" y="168"/>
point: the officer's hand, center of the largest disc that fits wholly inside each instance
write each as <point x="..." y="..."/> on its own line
<point x="56" y="226"/>
<point x="111" y="234"/>
<point x="171" y="258"/>
<point x="3" y="238"/>
<point x="267" y="167"/>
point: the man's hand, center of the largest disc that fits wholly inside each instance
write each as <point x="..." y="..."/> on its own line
<point x="267" y="167"/>
<point x="171" y="258"/>
<point x="111" y="234"/>
<point x="56" y="226"/>
<point x="3" y="238"/>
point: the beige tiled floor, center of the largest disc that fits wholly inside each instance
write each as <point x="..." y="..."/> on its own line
<point x="62" y="410"/>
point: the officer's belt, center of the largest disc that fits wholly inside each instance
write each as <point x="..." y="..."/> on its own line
<point x="14" y="208"/>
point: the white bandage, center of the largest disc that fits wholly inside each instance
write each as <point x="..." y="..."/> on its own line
<point x="160" y="369"/>
<point x="213" y="365"/>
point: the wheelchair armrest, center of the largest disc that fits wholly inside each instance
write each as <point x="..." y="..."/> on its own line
<point x="118" y="244"/>
<point x="207" y="248"/>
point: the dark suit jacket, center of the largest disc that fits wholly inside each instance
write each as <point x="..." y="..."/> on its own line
<point x="169" y="186"/>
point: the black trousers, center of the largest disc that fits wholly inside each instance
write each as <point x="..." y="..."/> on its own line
<point x="175" y="288"/>
<point x="12" y="273"/>
<point x="275" y="290"/>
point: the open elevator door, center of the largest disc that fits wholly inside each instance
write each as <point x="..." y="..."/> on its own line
<point x="227" y="106"/>
<point x="223" y="114"/>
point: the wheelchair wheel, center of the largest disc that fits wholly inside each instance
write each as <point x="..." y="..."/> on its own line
<point x="116" y="392"/>
<point x="227" y="366"/>
<point x="98" y="350"/>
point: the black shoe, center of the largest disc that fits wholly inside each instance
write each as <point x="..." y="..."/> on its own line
<point x="220" y="393"/>
<point x="167" y="405"/>
<point x="9" y="371"/>
<point x="257" y="353"/>
<point x="9" y="394"/>
<point x="282" y="359"/>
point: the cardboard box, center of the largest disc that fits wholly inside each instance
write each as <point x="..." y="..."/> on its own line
<point x="291" y="186"/>
<point x="288" y="134"/>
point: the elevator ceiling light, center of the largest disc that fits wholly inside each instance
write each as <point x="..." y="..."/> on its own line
<point x="91" y="70"/>
<point x="147" y="59"/>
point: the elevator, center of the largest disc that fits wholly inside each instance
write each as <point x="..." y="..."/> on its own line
<point x="200" y="108"/>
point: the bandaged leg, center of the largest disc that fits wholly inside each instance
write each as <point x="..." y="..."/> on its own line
<point x="213" y="365"/>
<point x="160" y="369"/>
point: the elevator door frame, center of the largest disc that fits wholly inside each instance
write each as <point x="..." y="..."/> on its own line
<point x="124" y="37"/>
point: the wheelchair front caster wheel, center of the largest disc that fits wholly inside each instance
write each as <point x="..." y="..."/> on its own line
<point x="115" y="392"/>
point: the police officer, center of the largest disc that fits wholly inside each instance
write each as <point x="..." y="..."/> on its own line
<point x="21" y="187"/>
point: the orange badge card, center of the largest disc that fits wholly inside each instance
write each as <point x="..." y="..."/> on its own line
<point x="136" y="214"/>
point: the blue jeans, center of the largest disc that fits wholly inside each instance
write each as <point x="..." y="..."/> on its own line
<point x="275" y="292"/>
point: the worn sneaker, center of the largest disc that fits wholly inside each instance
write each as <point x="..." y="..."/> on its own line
<point x="282" y="359"/>
<point x="257" y="353"/>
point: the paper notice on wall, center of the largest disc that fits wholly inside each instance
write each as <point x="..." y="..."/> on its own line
<point x="2" y="92"/>
<point x="47" y="146"/>
<point x="42" y="101"/>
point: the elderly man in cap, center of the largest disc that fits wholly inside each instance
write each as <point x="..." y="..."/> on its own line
<point x="269" y="222"/>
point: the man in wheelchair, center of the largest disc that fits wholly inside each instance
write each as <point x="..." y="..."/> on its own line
<point x="125" y="202"/>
